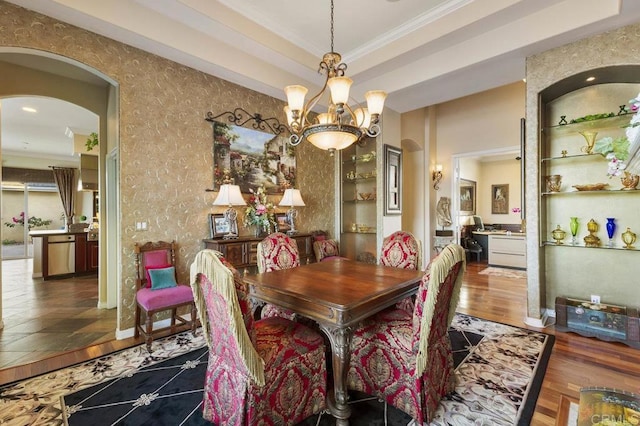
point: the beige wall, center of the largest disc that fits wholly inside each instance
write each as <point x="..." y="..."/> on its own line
<point x="485" y="121"/>
<point x="164" y="142"/>
<point x="499" y="173"/>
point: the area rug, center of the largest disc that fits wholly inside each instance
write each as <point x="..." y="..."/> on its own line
<point x="499" y="369"/>
<point x="503" y="272"/>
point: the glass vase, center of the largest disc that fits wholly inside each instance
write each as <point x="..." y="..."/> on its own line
<point x="611" y="229"/>
<point x="573" y="226"/>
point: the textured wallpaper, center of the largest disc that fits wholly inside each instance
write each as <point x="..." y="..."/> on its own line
<point x="165" y="143"/>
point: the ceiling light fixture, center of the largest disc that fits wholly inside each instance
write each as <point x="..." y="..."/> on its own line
<point x="341" y="125"/>
<point x="29" y="109"/>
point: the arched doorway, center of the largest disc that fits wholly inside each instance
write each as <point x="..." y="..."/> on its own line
<point x="36" y="73"/>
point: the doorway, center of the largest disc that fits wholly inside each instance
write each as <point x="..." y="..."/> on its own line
<point x="69" y="81"/>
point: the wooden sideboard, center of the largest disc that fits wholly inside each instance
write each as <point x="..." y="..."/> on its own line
<point x="243" y="252"/>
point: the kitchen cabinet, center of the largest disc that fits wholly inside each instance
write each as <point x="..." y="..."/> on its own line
<point x="62" y="254"/>
<point x="242" y="252"/>
<point x="359" y="199"/>
<point x="508" y="251"/>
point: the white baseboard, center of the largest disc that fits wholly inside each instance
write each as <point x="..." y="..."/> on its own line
<point x="125" y="334"/>
<point x="543" y="322"/>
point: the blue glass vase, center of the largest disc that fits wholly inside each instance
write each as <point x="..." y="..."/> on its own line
<point x="611" y="229"/>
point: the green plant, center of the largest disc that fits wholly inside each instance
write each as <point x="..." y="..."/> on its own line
<point x="33" y="222"/>
<point x="92" y="141"/>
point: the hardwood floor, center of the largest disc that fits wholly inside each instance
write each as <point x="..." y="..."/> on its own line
<point x="575" y="362"/>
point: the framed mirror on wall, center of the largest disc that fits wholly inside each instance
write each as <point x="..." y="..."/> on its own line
<point x="392" y="180"/>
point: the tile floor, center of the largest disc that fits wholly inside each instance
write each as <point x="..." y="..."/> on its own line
<point x="46" y="318"/>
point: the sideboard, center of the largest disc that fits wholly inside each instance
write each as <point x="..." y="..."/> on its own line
<point x="243" y="252"/>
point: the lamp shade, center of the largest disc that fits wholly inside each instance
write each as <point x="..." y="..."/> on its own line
<point x="229" y="195"/>
<point x="292" y="198"/>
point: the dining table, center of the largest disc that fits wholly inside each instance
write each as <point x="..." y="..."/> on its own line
<point x="337" y="294"/>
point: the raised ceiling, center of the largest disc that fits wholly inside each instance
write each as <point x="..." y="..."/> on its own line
<point x="422" y="52"/>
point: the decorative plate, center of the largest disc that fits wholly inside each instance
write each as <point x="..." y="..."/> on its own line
<point x="591" y="187"/>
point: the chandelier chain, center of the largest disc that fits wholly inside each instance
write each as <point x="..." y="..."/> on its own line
<point x="332" y="25"/>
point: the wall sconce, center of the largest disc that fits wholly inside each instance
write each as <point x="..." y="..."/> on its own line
<point x="230" y="195"/>
<point x="292" y="198"/>
<point x="437" y="176"/>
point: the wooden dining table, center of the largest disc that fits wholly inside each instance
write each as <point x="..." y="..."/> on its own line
<point x="337" y="294"/>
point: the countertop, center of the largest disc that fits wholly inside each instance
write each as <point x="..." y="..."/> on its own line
<point x="55" y="232"/>
<point x="501" y="232"/>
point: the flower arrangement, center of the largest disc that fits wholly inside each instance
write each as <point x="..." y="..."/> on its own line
<point x="32" y="222"/>
<point x="260" y="212"/>
<point x="516" y="210"/>
<point x="617" y="150"/>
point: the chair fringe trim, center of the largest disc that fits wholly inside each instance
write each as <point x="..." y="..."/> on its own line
<point x="440" y="268"/>
<point x="207" y="263"/>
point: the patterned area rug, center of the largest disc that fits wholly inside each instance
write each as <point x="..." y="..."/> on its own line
<point x="503" y="272"/>
<point x="499" y="369"/>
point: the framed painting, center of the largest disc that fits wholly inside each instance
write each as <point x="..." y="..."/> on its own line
<point x="252" y="158"/>
<point x="283" y="222"/>
<point x="392" y="180"/>
<point x="500" y="199"/>
<point x="218" y="225"/>
<point x="467" y="197"/>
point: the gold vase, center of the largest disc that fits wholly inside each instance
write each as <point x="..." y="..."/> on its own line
<point x="590" y="137"/>
<point x="558" y="234"/>
<point x="629" y="181"/>
<point x="553" y="183"/>
<point x="591" y="240"/>
<point x="628" y="238"/>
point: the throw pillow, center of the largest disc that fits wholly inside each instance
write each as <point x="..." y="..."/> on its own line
<point x="147" y="268"/>
<point x="163" y="278"/>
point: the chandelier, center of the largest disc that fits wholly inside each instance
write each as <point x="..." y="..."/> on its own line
<point x="341" y="125"/>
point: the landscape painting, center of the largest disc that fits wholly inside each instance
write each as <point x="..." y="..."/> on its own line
<point x="252" y="158"/>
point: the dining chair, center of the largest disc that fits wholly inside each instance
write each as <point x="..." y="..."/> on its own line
<point x="405" y="358"/>
<point x="157" y="290"/>
<point x="277" y="251"/>
<point x="402" y="250"/>
<point x="267" y="372"/>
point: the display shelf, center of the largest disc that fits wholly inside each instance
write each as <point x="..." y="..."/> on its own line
<point x="601" y="191"/>
<point x="616" y="122"/>
<point x="360" y="232"/>
<point x="360" y="179"/>
<point x="619" y="246"/>
<point x="360" y="201"/>
<point x="574" y="157"/>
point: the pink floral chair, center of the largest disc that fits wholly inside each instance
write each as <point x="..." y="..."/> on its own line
<point x="402" y="250"/>
<point x="277" y="251"/>
<point x="265" y="372"/>
<point x="326" y="250"/>
<point x="405" y="359"/>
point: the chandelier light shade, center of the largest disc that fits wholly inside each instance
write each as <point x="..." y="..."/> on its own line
<point x="292" y="198"/>
<point x="230" y="196"/>
<point x="341" y="125"/>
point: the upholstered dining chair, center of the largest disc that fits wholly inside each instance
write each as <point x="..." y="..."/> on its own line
<point x="157" y="289"/>
<point x="277" y="251"/>
<point x="405" y="358"/>
<point x="402" y="250"/>
<point x="271" y="371"/>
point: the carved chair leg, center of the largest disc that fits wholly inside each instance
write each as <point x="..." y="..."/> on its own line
<point x="149" y="332"/>
<point x="136" y="330"/>
<point x="174" y="312"/>
<point x="194" y="319"/>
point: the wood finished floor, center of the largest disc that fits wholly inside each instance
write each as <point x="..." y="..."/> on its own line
<point x="59" y="325"/>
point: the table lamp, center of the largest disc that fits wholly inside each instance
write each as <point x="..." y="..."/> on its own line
<point x="230" y="195"/>
<point x="292" y="198"/>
